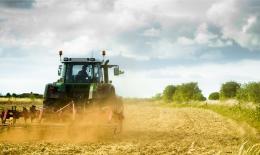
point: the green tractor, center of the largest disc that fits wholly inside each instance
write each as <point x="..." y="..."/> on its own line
<point x="84" y="85"/>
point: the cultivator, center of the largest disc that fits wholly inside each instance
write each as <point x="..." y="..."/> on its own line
<point x="83" y="88"/>
<point x="9" y="116"/>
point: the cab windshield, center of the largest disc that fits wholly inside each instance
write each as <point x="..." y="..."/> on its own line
<point x="83" y="73"/>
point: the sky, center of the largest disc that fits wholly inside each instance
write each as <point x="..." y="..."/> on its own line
<point x="156" y="42"/>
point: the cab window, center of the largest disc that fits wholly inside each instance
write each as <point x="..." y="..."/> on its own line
<point x="83" y="73"/>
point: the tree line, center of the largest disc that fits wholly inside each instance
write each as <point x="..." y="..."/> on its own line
<point x="248" y="92"/>
<point x="23" y="95"/>
<point x="181" y="93"/>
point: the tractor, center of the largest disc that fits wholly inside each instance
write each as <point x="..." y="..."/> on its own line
<point x="83" y="88"/>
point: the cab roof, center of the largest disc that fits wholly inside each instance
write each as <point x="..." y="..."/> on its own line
<point x="66" y="59"/>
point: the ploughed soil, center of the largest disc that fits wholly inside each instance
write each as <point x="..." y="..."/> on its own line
<point x="148" y="129"/>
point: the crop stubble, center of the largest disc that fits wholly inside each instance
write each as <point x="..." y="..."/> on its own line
<point x="148" y="129"/>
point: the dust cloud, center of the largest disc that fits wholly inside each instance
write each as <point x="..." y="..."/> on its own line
<point x="90" y="126"/>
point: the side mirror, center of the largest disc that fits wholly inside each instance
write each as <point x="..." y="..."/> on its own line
<point x="59" y="70"/>
<point x="117" y="71"/>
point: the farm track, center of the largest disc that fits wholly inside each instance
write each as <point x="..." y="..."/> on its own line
<point x="148" y="129"/>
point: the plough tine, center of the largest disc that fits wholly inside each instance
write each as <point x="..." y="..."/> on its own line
<point x="40" y="115"/>
<point x="73" y="111"/>
<point x="5" y="115"/>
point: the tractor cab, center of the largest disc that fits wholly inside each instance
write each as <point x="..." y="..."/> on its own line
<point x="81" y="70"/>
<point x="82" y="80"/>
<point x="85" y="70"/>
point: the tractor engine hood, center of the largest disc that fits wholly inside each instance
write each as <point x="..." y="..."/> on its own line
<point x="79" y="91"/>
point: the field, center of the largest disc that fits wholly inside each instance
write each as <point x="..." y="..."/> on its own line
<point x="19" y="102"/>
<point x="149" y="128"/>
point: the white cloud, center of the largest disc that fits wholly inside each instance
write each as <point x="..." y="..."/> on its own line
<point x="235" y="20"/>
<point x="222" y="12"/>
<point x="52" y="24"/>
<point x="220" y="43"/>
<point x="185" y="41"/>
<point x="167" y="49"/>
<point x="250" y="21"/>
<point x="80" y="45"/>
<point x="211" y="55"/>
<point x="152" y="32"/>
<point x="203" y="36"/>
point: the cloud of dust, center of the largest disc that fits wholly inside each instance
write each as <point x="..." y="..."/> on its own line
<point x="90" y="126"/>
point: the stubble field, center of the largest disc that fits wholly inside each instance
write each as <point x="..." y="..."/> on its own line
<point x="148" y="129"/>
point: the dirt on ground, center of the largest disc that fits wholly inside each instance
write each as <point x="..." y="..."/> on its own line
<point x="148" y="129"/>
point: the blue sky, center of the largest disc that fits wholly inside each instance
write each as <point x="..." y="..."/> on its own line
<point x="156" y="42"/>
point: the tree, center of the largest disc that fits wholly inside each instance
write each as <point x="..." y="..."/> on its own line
<point x="249" y="92"/>
<point x="214" y="96"/>
<point x="229" y="90"/>
<point x="157" y="96"/>
<point x="168" y="93"/>
<point x="14" y="95"/>
<point x="253" y="90"/>
<point x="242" y="94"/>
<point x="32" y="97"/>
<point x="8" y="95"/>
<point x="188" y="92"/>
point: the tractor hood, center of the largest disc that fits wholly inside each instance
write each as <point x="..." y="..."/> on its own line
<point x="80" y="91"/>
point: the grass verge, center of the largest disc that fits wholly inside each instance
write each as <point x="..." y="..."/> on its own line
<point x="249" y="115"/>
<point x="240" y="114"/>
